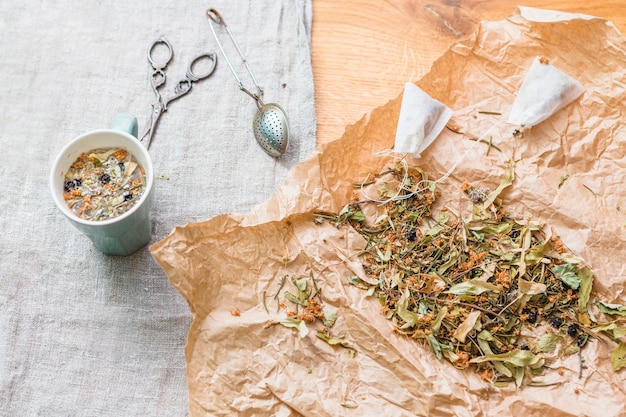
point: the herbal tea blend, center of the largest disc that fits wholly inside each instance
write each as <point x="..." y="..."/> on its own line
<point x="495" y="293"/>
<point x="103" y="183"/>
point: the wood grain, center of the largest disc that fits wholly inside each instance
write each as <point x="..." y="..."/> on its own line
<point x="363" y="51"/>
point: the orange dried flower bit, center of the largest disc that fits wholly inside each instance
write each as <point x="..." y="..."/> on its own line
<point x="308" y="317"/>
<point x="557" y="244"/>
<point x="463" y="361"/>
<point x="120" y="154"/>
<point x="235" y="312"/>
<point x="486" y="375"/>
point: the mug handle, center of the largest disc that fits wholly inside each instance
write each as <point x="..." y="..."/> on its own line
<point x="126" y="123"/>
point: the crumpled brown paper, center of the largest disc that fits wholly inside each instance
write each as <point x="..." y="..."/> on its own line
<point x="235" y="366"/>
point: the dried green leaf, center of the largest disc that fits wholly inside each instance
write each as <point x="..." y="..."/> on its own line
<point x="358" y="216"/>
<point x="331" y="340"/>
<point x="437" y="322"/>
<point x="299" y="325"/>
<point x="410" y="318"/>
<point x="301" y="284"/>
<point x="492" y="229"/>
<point x="515" y="357"/>
<point x="571" y="348"/>
<point x="612" y="309"/>
<point x="567" y="274"/>
<point x="531" y="288"/>
<point x="467" y="326"/>
<point x="536" y="253"/>
<point x="437" y="346"/>
<point x="452" y="257"/>
<point x="548" y="342"/>
<point x="484" y="338"/>
<point x="618" y="357"/>
<point x="295" y="299"/>
<point x="442" y="219"/>
<point x="562" y="180"/>
<point x="473" y="287"/>
<point x="519" y="376"/>
<point x="384" y="191"/>
<point x="349" y="212"/>
<point x="604" y="327"/>
<point x="481" y="210"/>
<point x="485" y="335"/>
<point x="103" y="156"/>
<point x="384" y="257"/>
<point x="353" y="280"/>
<point x="329" y="318"/>
<point x="619" y="332"/>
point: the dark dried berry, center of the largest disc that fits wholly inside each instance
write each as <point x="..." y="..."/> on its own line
<point x="105" y="178"/>
<point x="556" y="322"/>
<point x="581" y="339"/>
<point x="524" y="347"/>
<point x="572" y="330"/>
<point x="532" y="317"/>
<point x="411" y="236"/>
<point x="514" y="234"/>
<point x="68" y="185"/>
<point x="128" y="197"/>
<point x="122" y="166"/>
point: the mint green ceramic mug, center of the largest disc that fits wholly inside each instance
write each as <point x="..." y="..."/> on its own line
<point x="124" y="234"/>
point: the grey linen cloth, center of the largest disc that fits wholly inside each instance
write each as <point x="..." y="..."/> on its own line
<point x="82" y="333"/>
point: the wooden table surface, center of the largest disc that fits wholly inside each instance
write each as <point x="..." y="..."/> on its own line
<point x="363" y="51"/>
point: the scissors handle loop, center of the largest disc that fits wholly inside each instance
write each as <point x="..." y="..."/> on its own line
<point x="193" y="76"/>
<point x="185" y="85"/>
<point x="157" y="64"/>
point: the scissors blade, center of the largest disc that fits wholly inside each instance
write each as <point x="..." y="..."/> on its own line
<point x="155" y="114"/>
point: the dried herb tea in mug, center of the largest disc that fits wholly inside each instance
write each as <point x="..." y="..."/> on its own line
<point x="103" y="183"/>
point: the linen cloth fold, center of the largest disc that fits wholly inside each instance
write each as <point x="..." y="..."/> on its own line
<point x="82" y="333"/>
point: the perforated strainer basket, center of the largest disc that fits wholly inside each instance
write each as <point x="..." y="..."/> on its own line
<point x="271" y="129"/>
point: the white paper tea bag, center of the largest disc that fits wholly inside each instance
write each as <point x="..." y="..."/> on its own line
<point x="421" y="120"/>
<point x="544" y="91"/>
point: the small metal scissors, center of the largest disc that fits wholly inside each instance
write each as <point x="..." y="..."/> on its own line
<point x="158" y="79"/>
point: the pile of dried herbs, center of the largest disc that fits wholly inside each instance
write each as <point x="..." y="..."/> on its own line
<point x="302" y="301"/>
<point x="493" y="293"/>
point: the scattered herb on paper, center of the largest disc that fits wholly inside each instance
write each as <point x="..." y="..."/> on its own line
<point x="305" y="306"/>
<point x="103" y="183"/>
<point x="492" y="293"/>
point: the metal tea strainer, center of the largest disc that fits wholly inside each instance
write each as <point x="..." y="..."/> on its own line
<point x="270" y="124"/>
